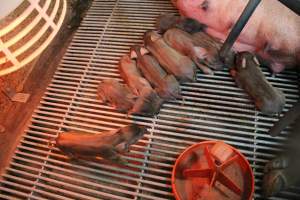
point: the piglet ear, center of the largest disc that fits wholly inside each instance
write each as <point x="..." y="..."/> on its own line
<point x="133" y="54"/>
<point x="204" y="5"/>
<point x="256" y="60"/>
<point x="144" y="51"/>
<point x="134" y="51"/>
<point x="244" y="63"/>
<point x="200" y="52"/>
<point x="153" y="35"/>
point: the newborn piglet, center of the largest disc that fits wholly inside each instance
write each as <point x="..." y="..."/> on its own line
<point x="170" y="20"/>
<point x="148" y="102"/>
<point x="208" y="49"/>
<point x="248" y="75"/>
<point x="132" y="76"/>
<point x="182" y="67"/>
<point x="165" y="84"/>
<point x="183" y="42"/>
<point x="107" y="144"/>
<point x="116" y="94"/>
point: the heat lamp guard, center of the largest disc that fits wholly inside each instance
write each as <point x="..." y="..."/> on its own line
<point x="27" y="31"/>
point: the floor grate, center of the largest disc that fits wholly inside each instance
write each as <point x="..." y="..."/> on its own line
<point x="213" y="108"/>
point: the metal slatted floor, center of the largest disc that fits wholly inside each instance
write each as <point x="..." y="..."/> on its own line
<point x="213" y="108"/>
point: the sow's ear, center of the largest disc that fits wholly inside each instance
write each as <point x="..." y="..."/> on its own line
<point x="204" y="5"/>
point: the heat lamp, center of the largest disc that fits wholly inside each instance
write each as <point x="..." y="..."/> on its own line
<point x="26" y="28"/>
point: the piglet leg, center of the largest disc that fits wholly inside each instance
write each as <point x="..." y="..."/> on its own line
<point x="199" y="54"/>
<point x="110" y="153"/>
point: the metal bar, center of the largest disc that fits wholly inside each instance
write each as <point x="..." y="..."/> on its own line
<point x="238" y="27"/>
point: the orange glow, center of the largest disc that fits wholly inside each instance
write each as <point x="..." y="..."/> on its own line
<point x="12" y="56"/>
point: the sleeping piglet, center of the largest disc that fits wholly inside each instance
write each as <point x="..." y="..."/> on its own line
<point x="181" y="66"/>
<point x="148" y="102"/>
<point x="132" y="75"/>
<point x="200" y="47"/>
<point x="165" y="84"/>
<point x="116" y="94"/>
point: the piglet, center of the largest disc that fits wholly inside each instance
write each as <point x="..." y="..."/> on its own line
<point x="131" y="75"/>
<point x="165" y="84"/>
<point x="107" y="144"/>
<point x="148" y="103"/>
<point x="210" y="48"/>
<point x="118" y="95"/>
<point x="248" y="75"/>
<point x="182" y="67"/>
<point x="202" y="50"/>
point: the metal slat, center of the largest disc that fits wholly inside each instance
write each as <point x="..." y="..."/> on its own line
<point x="103" y="166"/>
<point x="213" y="107"/>
<point x="88" y="169"/>
<point x="102" y="179"/>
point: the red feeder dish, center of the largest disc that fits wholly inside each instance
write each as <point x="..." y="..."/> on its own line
<point x="212" y="170"/>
